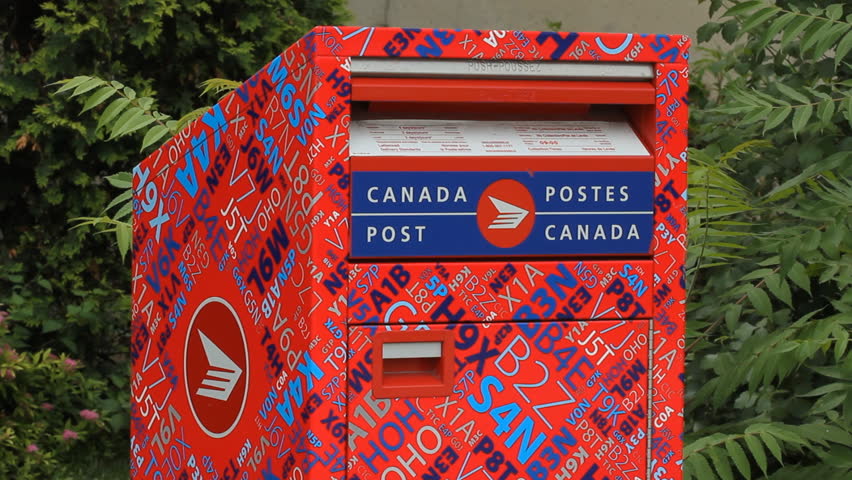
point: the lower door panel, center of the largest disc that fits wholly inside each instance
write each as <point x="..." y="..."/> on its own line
<point x="543" y="400"/>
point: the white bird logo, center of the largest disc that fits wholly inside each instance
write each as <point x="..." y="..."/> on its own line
<point x="509" y="217"/>
<point x="223" y="374"/>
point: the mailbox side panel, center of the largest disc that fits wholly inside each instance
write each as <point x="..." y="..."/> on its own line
<point x="228" y="349"/>
<point x="324" y="229"/>
<point x="669" y="247"/>
<point x="301" y="313"/>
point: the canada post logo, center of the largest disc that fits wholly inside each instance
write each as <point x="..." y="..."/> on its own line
<point x="505" y="213"/>
<point x="216" y="365"/>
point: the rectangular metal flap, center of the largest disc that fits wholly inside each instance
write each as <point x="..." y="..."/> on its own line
<point x="457" y="68"/>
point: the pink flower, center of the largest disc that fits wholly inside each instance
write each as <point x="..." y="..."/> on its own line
<point x="3" y="316"/>
<point x="13" y="355"/>
<point x="70" y="364"/>
<point x="47" y="406"/>
<point x="89" y="414"/>
<point x="32" y="448"/>
<point x="9" y="375"/>
<point x="70" y="435"/>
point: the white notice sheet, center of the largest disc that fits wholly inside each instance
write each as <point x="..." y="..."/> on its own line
<point x="442" y="138"/>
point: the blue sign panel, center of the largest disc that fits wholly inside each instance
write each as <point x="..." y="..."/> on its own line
<point x="424" y="214"/>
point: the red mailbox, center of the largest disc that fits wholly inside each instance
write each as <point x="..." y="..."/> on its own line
<point x="401" y="254"/>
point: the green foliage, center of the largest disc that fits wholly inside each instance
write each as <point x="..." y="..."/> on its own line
<point x="66" y="289"/>
<point x="42" y="396"/>
<point x="769" y="384"/>
<point x="120" y="222"/>
<point x="124" y="115"/>
<point x="214" y="86"/>
<point x="728" y="453"/>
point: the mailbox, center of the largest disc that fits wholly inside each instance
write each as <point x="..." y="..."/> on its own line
<point x="402" y="254"/>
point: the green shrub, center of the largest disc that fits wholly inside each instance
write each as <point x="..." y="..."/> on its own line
<point x="769" y="384"/>
<point x="47" y="412"/>
<point x="66" y="289"/>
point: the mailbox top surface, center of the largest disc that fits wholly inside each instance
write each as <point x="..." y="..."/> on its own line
<point x="352" y="41"/>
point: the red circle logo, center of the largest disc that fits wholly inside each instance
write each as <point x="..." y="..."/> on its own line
<point x="505" y="213"/>
<point x="216" y="367"/>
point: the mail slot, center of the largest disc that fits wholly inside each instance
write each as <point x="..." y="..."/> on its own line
<point x="419" y="254"/>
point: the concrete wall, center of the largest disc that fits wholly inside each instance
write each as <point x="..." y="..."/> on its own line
<point x="641" y="16"/>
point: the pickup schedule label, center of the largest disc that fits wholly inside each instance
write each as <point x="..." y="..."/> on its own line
<point x="405" y="137"/>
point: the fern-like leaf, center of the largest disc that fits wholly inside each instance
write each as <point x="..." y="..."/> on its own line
<point x="127" y="113"/>
<point x="218" y="86"/>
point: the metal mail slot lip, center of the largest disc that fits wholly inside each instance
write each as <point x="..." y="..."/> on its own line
<point x="453" y="68"/>
<point x="441" y="138"/>
<point x="495" y="90"/>
<point x="411" y="350"/>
